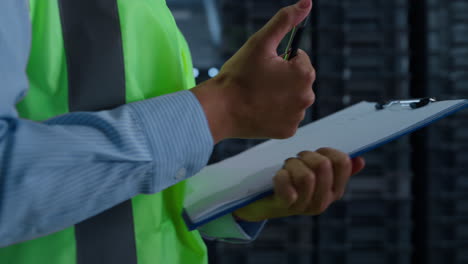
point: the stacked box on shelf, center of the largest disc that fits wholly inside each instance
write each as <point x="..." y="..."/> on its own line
<point x="447" y="140"/>
<point x="282" y="241"/>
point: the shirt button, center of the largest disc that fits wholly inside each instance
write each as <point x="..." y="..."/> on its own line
<point x="181" y="174"/>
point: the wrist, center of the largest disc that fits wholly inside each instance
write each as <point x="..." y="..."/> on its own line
<point x="217" y="105"/>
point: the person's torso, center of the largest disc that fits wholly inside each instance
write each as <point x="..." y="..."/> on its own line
<point x="156" y="61"/>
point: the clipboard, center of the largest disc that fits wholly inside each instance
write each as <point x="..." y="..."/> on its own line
<point x="231" y="184"/>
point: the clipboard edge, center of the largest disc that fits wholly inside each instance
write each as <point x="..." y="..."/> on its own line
<point x="191" y="225"/>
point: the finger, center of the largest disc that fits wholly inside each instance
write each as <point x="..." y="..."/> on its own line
<point x="342" y="169"/>
<point x="303" y="180"/>
<point x="284" y="189"/>
<point x="312" y="159"/>
<point x="358" y="165"/>
<point x="274" y="206"/>
<point x="323" y="195"/>
<point x="303" y="69"/>
<point x="277" y="28"/>
<point x="323" y="169"/>
<point x="302" y="60"/>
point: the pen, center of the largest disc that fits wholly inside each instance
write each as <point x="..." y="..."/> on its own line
<point x="295" y="39"/>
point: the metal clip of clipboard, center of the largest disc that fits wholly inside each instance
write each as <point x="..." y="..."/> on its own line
<point x="413" y="103"/>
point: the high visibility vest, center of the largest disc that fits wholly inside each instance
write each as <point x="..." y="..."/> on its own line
<point x="155" y="61"/>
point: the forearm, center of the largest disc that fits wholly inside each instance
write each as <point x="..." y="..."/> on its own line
<point x="60" y="172"/>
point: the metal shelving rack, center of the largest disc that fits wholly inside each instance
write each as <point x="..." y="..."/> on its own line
<point x="447" y="142"/>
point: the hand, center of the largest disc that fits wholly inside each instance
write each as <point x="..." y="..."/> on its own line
<point x="257" y="94"/>
<point x="306" y="185"/>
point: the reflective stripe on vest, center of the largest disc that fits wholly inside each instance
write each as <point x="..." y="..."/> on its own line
<point x="96" y="81"/>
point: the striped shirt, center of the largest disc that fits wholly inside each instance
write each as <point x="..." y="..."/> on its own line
<point x="59" y="172"/>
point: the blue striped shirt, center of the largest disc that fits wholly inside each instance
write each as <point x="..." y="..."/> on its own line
<point x="56" y="173"/>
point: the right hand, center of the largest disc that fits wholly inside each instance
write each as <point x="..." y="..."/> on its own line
<point x="306" y="185"/>
<point x="263" y="95"/>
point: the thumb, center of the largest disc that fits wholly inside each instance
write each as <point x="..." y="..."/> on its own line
<point x="277" y="28"/>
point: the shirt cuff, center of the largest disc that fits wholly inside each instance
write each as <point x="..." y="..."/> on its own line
<point x="227" y="229"/>
<point x="178" y="134"/>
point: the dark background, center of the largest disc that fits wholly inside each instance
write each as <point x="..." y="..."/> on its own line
<point x="410" y="205"/>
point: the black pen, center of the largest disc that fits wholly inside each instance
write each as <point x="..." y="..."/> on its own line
<point x="295" y="39"/>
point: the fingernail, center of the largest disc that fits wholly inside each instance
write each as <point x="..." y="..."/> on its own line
<point x="304" y="4"/>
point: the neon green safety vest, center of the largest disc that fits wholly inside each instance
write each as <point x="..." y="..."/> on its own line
<point x="156" y="61"/>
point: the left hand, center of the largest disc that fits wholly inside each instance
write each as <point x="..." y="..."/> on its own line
<point x="306" y="185"/>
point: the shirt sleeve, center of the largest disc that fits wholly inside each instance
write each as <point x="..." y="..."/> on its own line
<point x="67" y="169"/>
<point x="227" y="229"/>
<point x="56" y="173"/>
